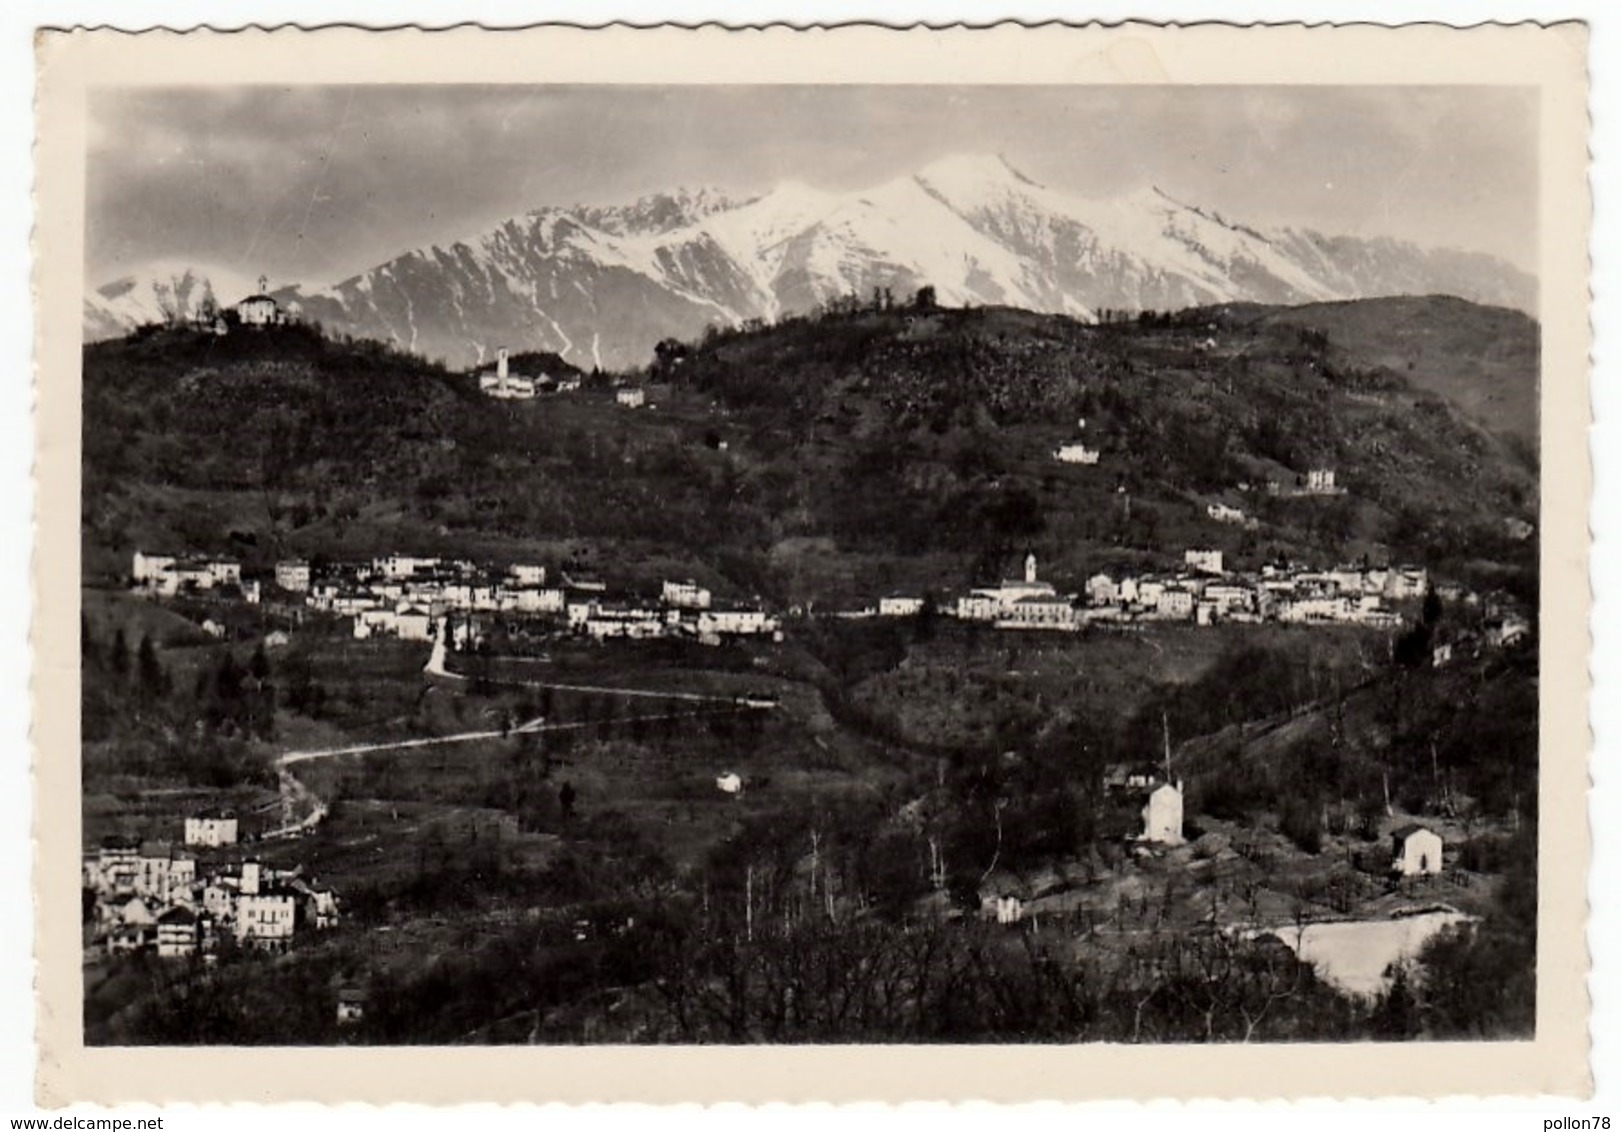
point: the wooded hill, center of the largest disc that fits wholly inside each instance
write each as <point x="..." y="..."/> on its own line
<point x="866" y="449"/>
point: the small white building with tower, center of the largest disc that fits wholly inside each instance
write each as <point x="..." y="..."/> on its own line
<point x="503" y="384"/>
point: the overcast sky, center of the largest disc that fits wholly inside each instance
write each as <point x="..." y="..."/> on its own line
<point x="314" y="184"/>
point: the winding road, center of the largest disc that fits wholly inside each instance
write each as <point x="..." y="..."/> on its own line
<point x="296" y="795"/>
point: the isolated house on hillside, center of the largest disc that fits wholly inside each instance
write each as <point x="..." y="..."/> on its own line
<point x="1415" y="850"/>
<point x="1077" y="454"/>
<point x="1001" y="898"/>
<point x="212" y="829"/>
<point x="1320" y="481"/>
<point x="351" y="1005"/>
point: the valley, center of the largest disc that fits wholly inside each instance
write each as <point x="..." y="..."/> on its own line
<point x="907" y="825"/>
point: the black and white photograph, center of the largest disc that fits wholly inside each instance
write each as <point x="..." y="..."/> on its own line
<point x="805" y="564"/>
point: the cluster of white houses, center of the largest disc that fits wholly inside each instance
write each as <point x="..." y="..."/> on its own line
<point x="1203" y="592"/>
<point x="408" y="597"/>
<point x="414" y="598"/>
<point x="504" y="385"/>
<point x="169" y="575"/>
<point x="155" y="896"/>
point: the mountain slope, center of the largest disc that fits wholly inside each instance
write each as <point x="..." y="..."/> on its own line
<point x="864" y="451"/>
<point x="601" y="285"/>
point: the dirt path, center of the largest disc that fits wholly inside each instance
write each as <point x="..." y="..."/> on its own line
<point x="296" y="796"/>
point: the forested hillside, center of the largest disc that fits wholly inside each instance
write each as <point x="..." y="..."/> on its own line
<point x="867" y="447"/>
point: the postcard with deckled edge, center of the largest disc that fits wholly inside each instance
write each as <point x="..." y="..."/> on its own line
<point x="697" y="564"/>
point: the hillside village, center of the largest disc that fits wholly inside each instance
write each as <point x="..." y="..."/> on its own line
<point x="770" y="717"/>
<point x="409" y="598"/>
<point x="181" y="902"/>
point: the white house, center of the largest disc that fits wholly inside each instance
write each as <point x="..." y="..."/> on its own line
<point x="1162" y="815"/>
<point x="632" y="397"/>
<point x="177" y="934"/>
<point x="1229" y="598"/>
<point x="1039" y="611"/>
<point x="224" y="571"/>
<point x="685" y="595"/>
<point x="623" y="622"/>
<point x="1415" y="850"/>
<point x="1224" y="514"/>
<point x="114" y="866"/>
<point x="540" y="600"/>
<point x="351" y="1006"/>
<point x="1176" y="602"/>
<point x="1320" y="481"/>
<point x="1077" y="454"/>
<point x="527" y="574"/>
<point x="398" y="566"/>
<point x="212" y="829"/>
<point x="413" y="623"/>
<point x="163" y="875"/>
<point x="899" y="606"/>
<point x="743" y="622"/>
<point x="148" y="568"/>
<point x="293" y="575"/>
<point x="1001" y="898"/>
<point x="265" y="918"/>
<point x="1102" y="590"/>
<point x="1207" y="561"/>
<point x="1405" y="583"/>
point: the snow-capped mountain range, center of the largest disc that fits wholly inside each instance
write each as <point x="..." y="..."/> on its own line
<point x="601" y="284"/>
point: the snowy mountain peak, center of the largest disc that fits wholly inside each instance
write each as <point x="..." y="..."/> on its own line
<point x="600" y="284"/>
<point x="974" y="180"/>
<point x="658" y="212"/>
